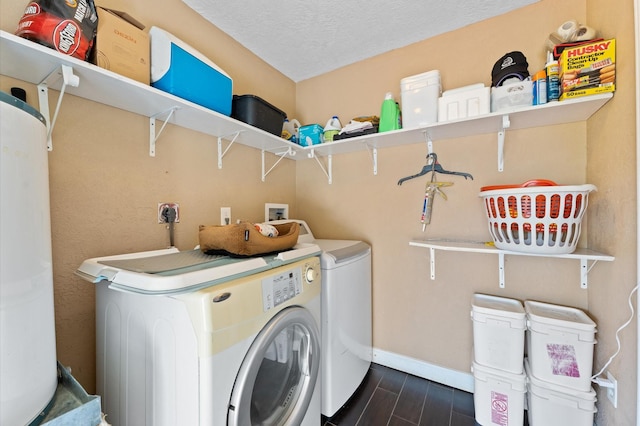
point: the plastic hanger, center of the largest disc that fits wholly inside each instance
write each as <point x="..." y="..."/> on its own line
<point x="433" y="166"/>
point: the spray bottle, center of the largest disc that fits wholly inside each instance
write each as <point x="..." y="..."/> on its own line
<point x="553" y="78"/>
<point x="389" y="114"/>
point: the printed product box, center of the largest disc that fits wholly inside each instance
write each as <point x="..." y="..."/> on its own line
<point x="311" y="134"/>
<point x="588" y="69"/>
<point x="121" y="45"/>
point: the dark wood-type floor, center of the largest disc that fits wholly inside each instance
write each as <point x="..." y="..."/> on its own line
<point x="391" y="397"/>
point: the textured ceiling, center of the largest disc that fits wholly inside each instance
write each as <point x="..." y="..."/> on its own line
<point x="303" y="39"/>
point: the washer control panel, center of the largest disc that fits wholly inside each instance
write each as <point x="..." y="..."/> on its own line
<point x="282" y="286"/>
<point x="278" y="288"/>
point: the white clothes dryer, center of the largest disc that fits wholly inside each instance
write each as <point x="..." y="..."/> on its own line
<point x="346" y="316"/>
<point x="186" y="346"/>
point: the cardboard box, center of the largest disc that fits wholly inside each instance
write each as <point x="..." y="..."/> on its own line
<point x="121" y="45"/>
<point x="588" y="69"/>
<point x="311" y="134"/>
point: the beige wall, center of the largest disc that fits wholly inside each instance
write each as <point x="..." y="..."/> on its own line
<point x="612" y="166"/>
<point x="429" y="320"/>
<point x="105" y="187"/>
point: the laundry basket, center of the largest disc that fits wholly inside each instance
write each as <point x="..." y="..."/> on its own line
<point x="537" y="216"/>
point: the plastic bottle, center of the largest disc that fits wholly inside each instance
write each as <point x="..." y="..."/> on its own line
<point x="390" y="118"/>
<point x="290" y="130"/>
<point x="332" y="128"/>
<point x="553" y="78"/>
<point x="540" y="88"/>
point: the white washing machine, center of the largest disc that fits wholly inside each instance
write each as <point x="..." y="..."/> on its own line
<point x="346" y="316"/>
<point x="184" y="338"/>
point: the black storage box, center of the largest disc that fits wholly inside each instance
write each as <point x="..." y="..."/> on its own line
<point x="258" y="113"/>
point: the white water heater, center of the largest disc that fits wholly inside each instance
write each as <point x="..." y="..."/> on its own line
<point x="28" y="370"/>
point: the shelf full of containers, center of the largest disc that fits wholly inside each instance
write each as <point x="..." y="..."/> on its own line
<point x="172" y="103"/>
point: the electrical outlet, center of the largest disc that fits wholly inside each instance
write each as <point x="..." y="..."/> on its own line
<point x="612" y="392"/>
<point x="225" y="215"/>
<point x="162" y="206"/>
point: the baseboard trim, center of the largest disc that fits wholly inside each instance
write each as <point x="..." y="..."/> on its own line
<point x="446" y="376"/>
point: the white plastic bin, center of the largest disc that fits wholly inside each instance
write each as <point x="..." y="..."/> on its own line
<point x="498" y="332"/>
<point x="419" y="94"/>
<point x="463" y="102"/>
<point x="498" y="396"/>
<point x="512" y="96"/>
<point x="560" y="344"/>
<point x="553" y="405"/>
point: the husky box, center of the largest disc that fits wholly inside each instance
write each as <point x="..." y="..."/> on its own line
<point x="179" y="69"/>
<point x="588" y="69"/>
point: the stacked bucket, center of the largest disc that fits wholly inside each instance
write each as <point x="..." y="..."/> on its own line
<point x="499" y="326"/>
<point x="560" y="344"/>
<point x="553" y="381"/>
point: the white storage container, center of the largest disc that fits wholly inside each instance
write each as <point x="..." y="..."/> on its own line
<point x="463" y="102"/>
<point x="419" y="94"/>
<point x="498" y="332"/>
<point x="560" y="344"/>
<point x="498" y="396"/>
<point x="552" y="405"/>
<point x="512" y="96"/>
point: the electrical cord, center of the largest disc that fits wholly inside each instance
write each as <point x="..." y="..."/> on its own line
<point x="595" y="378"/>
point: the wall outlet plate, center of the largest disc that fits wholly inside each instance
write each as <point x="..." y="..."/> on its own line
<point x="612" y="392"/>
<point x="161" y="207"/>
<point x="225" y="215"/>
<point x="275" y="211"/>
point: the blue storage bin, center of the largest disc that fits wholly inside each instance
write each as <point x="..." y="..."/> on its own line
<point x="179" y="69"/>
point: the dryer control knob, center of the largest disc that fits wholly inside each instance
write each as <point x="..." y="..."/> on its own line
<point x="310" y="274"/>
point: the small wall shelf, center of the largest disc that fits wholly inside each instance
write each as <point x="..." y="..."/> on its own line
<point x="583" y="255"/>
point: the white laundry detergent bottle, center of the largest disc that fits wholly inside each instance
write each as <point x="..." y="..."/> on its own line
<point x="332" y="128"/>
<point x="290" y="130"/>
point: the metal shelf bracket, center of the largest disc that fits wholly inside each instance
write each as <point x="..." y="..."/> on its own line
<point x="289" y="152"/>
<point x="328" y="170"/>
<point x="153" y="135"/>
<point x="501" y="270"/>
<point x="68" y="79"/>
<point x="427" y="137"/>
<point x="373" y="152"/>
<point x="505" y="125"/>
<point x="222" y="153"/>
<point x="584" y="272"/>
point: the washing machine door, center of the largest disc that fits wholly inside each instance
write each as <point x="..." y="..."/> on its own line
<point x="276" y="380"/>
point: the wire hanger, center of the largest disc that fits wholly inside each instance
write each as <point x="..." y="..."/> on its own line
<point x="433" y="167"/>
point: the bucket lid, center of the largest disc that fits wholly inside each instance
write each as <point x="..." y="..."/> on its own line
<point x="562" y="316"/>
<point x="518" y="381"/>
<point x="495" y="305"/>
<point x="555" y="389"/>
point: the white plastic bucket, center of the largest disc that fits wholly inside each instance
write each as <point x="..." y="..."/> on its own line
<point x="498" y="332"/>
<point x="560" y="342"/>
<point x="498" y="396"/>
<point x="553" y="405"/>
<point x="419" y="94"/>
